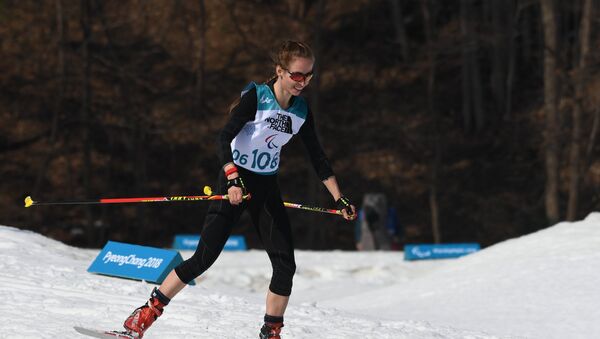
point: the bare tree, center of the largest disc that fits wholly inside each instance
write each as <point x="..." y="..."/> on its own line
<point x="580" y="81"/>
<point x="198" y="92"/>
<point x="512" y="28"/>
<point x="527" y="31"/>
<point x="551" y="145"/>
<point x="58" y="99"/>
<point x="435" y="133"/>
<point x="86" y="111"/>
<point x="317" y="232"/>
<point x="472" y="103"/>
<point x="398" y="21"/>
<point x="592" y="139"/>
<point x="296" y="8"/>
<point x="501" y="36"/>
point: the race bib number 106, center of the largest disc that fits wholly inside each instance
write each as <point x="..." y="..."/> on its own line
<point x="259" y="160"/>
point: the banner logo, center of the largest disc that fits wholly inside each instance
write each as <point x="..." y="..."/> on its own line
<point x="438" y="251"/>
<point x="190" y="242"/>
<point x="135" y="262"/>
<point x="132" y="260"/>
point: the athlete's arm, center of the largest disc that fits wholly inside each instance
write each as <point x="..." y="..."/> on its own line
<point x="321" y="164"/>
<point x="313" y="147"/>
<point x="243" y="112"/>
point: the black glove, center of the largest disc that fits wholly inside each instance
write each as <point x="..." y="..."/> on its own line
<point x="237" y="182"/>
<point x="344" y="203"/>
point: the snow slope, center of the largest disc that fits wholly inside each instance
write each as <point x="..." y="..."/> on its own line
<point x="543" y="285"/>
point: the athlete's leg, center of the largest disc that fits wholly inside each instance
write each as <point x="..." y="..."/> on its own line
<point x="277" y="239"/>
<point x="276" y="304"/>
<point x="218" y="224"/>
<point x="171" y="285"/>
<point x="220" y="219"/>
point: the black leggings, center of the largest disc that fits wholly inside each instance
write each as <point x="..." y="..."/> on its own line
<point x="276" y="236"/>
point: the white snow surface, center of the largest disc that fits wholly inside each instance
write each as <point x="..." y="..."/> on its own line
<point x="542" y="285"/>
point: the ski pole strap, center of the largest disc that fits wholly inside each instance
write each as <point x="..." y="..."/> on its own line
<point x="237" y="182"/>
<point x="344" y="203"/>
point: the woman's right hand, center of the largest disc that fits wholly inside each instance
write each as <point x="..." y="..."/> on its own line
<point x="235" y="189"/>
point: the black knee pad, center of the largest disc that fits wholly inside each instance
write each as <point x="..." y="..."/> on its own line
<point x="283" y="274"/>
<point x="197" y="264"/>
<point x="189" y="270"/>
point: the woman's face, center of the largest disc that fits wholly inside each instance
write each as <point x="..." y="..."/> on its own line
<point x="296" y="76"/>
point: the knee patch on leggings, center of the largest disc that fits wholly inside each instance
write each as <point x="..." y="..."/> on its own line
<point x="188" y="270"/>
<point x="283" y="274"/>
<point x="196" y="265"/>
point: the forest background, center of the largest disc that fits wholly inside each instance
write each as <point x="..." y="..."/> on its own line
<point x="477" y="119"/>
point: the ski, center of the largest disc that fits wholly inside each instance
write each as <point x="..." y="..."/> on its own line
<point x="103" y="334"/>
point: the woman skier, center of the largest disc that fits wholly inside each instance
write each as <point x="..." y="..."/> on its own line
<point x="263" y="120"/>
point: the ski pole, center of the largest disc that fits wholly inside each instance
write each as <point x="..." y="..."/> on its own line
<point x="30" y="202"/>
<point x="312" y="208"/>
<point x="208" y="191"/>
<point x="180" y="198"/>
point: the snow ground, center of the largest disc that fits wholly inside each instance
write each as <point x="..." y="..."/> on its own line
<point x="544" y="285"/>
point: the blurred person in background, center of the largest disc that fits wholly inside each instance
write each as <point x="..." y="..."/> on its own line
<point x="372" y="233"/>
<point x="260" y="123"/>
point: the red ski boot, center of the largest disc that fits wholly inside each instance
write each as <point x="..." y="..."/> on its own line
<point x="270" y="331"/>
<point x="143" y="317"/>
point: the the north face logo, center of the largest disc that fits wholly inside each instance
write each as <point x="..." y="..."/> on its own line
<point x="282" y="123"/>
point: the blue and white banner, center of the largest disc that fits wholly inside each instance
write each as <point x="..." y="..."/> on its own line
<point x="438" y="251"/>
<point x="135" y="262"/>
<point x="190" y="242"/>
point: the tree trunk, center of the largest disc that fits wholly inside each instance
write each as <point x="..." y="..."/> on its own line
<point x="398" y="21"/>
<point x="198" y="93"/>
<point x="551" y="110"/>
<point x="574" y="156"/>
<point x="526" y="34"/>
<point x="476" y="88"/>
<point x="501" y="31"/>
<point x="432" y="111"/>
<point x="317" y="232"/>
<point x="62" y="70"/>
<point x="472" y="105"/>
<point x="296" y="9"/>
<point x="592" y="140"/>
<point x="58" y="100"/>
<point x="512" y="57"/>
<point x="85" y="114"/>
<point x="139" y="157"/>
<point x="466" y="93"/>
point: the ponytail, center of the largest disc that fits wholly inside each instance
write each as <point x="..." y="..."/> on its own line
<point x="234" y="104"/>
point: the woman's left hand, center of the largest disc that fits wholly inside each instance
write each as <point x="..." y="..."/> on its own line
<point x="351" y="215"/>
<point x="348" y="210"/>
